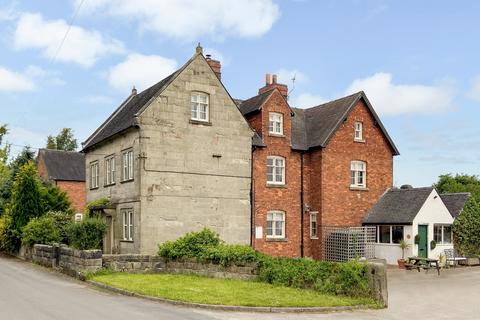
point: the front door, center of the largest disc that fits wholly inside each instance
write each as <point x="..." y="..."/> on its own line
<point x="108" y="238"/>
<point x="423" y="241"/>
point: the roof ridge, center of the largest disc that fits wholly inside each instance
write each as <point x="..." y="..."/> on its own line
<point x="56" y="150"/>
<point x="454" y="193"/>
<point x="332" y="101"/>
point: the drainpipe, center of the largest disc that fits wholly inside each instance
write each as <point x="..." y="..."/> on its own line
<point x="252" y="203"/>
<point x="302" y="213"/>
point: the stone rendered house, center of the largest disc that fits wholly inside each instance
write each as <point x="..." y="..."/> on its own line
<point x="172" y="159"/>
<point x="66" y="170"/>
<point x="321" y="166"/>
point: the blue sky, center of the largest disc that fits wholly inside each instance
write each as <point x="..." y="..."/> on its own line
<point x="417" y="62"/>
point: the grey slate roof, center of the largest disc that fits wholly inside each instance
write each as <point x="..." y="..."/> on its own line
<point x="257" y="141"/>
<point x="313" y="127"/>
<point x="398" y="206"/>
<point x="254" y="103"/>
<point x="455" y="202"/>
<point x="125" y="116"/>
<point x="63" y="165"/>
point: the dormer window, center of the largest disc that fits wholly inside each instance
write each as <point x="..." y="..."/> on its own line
<point x="358" y="131"/>
<point x="199" y="102"/>
<point x="275" y="124"/>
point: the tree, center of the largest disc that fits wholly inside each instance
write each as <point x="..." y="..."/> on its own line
<point x="25" y="203"/>
<point x="5" y="172"/>
<point x="466" y="229"/>
<point x="54" y="199"/>
<point x="22" y="158"/>
<point x="65" y="140"/>
<point x="459" y="183"/>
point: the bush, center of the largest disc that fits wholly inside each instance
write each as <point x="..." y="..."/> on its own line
<point x="466" y="229"/>
<point x="191" y="245"/>
<point x="86" y="234"/>
<point x="40" y="230"/>
<point x="226" y="255"/>
<point x="62" y="221"/>
<point x="94" y="203"/>
<point x="329" y="277"/>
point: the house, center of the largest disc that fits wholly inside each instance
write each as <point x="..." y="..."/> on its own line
<point x="416" y="215"/>
<point x="172" y="159"/>
<point x="66" y="170"/>
<point x="322" y="166"/>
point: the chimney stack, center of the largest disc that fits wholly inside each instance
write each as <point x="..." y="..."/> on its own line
<point x="215" y="65"/>
<point x="283" y="88"/>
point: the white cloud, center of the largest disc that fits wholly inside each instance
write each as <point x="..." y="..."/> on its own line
<point x="285" y="76"/>
<point x="9" y="12"/>
<point x="140" y="71"/>
<point x="389" y="98"/>
<point x="306" y="100"/>
<point x="11" y="81"/>
<point x="191" y="19"/>
<point x="83" y="47"/>
<point x="98" y="99"/>
<point x="23" y="136"/>
<point x="474" y="92"/>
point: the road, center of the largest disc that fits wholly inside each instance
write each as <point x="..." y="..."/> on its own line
<point x="31" y="292"/>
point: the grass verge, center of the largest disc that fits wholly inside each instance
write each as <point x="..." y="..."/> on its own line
<point x="197" y="289"/>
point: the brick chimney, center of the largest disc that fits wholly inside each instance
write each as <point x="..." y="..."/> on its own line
<point x="216" y="66"/>
<point x="283" y="88"/>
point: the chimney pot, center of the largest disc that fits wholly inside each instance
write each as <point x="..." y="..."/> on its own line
<point x="274" y="79"/>
<point x="267" y="79"/>
<point x="208" y="56"/>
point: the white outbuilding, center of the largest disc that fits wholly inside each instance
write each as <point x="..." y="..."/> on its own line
<point x="417" y="215"/>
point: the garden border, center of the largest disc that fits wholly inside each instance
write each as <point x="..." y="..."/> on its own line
<point x="233" y="308"/>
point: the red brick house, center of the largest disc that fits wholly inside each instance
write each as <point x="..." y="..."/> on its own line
<point x="322" y="166"/>
<point x="65" y="169"/>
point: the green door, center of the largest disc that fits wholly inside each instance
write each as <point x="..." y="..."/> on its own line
<point x="423" y="243"/>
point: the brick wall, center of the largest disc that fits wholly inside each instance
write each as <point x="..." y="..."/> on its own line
<point x="283" y="198"/>
<point x="76" y="193"/>
<point x="341" y="206"/>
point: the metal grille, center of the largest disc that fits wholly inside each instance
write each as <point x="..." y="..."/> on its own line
<point x="345" y="243"/>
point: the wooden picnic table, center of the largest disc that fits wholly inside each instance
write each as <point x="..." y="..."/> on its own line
<point x="424" y="263"/>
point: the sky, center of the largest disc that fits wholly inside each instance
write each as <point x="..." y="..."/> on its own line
<point x="70" y="63"/>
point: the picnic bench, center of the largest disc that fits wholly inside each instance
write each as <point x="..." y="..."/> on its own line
<point x="422" y="263"/>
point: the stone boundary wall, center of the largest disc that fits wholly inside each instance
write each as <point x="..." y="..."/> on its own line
<point x="67" y="260"/>
<point x="133" y="263"/>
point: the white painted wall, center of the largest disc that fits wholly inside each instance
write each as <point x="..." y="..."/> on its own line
<point x="392" y="252"/>
<point x="432" y="212"/>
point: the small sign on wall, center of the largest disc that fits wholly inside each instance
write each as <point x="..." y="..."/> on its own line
<point x="258" y="232"/>
<point x="78" y="217"/>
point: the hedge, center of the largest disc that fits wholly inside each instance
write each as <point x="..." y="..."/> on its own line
<point x="86" y="234"/>
<point x="40" y="230"/>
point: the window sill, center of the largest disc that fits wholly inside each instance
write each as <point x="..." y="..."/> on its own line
<point x="276" y="239"/>
<point x="127" y="241"/>
<point x="94" y="188"/>
<point x="276" y="135"/>
<point x="313" y="238"/>
<point x="272" y="185"/>
<point x="354" y="188"/>
<point x="200" y="122"/>
<point x="359" y="141"/>
<point x="109" y="185"/>
<point x="126" y="181"/>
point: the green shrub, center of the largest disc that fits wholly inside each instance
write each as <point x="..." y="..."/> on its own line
<point x="347" y="278"/>
<point x="191" y="245"/>
<point x="226" y="255"/>
<point x="94" y="203"/>
<point x="40" y="230"/>
<point x="62" y="221"/>
<point x="86" y="234"/>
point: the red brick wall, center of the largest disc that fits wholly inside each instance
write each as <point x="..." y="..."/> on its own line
<point x="76" y="193"/>
<point x="285" y="198"/>
<point x="42" y="169"/>
<point x="342" y="206"/>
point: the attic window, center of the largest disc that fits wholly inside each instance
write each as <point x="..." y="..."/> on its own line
<point x="275" y="123"/>
<point x="358" y="131"/>
<point x="200" y="106"/>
